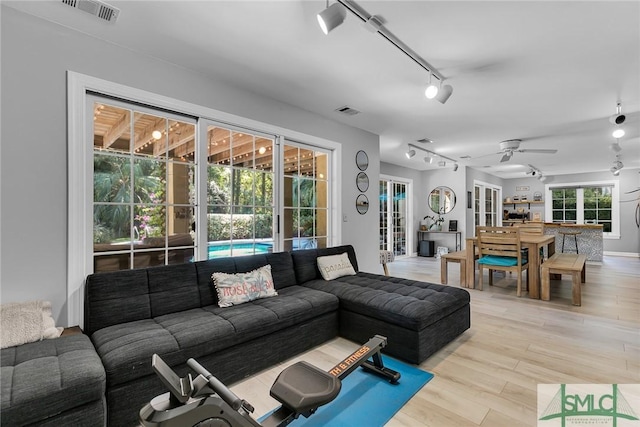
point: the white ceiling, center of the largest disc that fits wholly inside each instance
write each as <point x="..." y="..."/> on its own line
<point x="547" y="72"/>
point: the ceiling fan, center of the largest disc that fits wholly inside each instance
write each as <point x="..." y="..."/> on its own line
<point x="508" y="147"/>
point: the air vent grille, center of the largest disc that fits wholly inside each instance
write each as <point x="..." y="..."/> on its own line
<point x="95" y="7"/>
<point x="347" y="110"/>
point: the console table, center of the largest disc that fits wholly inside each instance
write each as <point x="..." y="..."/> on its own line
<point x="458" y="236"/>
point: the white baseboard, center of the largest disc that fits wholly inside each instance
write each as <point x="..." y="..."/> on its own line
<point x="624" y="254"/>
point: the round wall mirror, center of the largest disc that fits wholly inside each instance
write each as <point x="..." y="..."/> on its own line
<point x="362" y="182"/>
<point x="442" y="200"/>
<point x="362" y="204"/>
<point x="362" y="160"/>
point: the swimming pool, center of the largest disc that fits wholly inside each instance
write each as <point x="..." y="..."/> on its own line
<point x="224" y="249"/>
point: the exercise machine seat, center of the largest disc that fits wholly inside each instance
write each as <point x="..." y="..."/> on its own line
<point x="302" y="387"/>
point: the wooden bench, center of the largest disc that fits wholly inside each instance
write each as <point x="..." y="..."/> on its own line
<point x="564" y="263"/>
<point x="461" y="258"/>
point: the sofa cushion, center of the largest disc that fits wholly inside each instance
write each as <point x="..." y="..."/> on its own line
<point x="238" y="288"/>
<point x="115" y="297"/>
<point x="334" y="266"/>
<point x="126" y="349"/>
<point x="306" y="266"/>
<point x="173" y="288"/>
<point x="42" y="379"/>
<point x="407" y="303"/>
<point x="281" y="271"/>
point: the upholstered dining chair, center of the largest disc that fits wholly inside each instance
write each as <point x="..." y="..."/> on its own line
<point x="499" y="248"/>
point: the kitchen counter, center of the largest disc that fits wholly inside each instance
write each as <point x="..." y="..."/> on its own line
<point x="590" y="240"/>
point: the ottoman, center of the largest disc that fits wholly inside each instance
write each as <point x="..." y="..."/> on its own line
<point x="54" y="382"/>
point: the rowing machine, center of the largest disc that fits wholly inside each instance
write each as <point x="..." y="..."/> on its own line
<point x="301" y="388"/>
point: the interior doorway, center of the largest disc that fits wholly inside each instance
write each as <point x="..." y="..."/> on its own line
<point x="396" y="216"/>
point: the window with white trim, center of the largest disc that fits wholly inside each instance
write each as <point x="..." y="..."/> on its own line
<point x="585" y="203"/>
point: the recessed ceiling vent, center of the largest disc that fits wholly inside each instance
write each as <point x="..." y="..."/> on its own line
<point x="96" y="8"/>
<point x="347" y="110"/>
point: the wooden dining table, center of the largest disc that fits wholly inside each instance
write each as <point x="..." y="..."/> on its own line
<point x="531" y="241"/>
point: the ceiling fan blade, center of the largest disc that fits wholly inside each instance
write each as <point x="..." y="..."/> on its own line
<point x="538" y="150"/>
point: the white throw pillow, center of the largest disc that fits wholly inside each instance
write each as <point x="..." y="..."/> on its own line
<point x="234" y="289"/>
<point x="334" y="266"/>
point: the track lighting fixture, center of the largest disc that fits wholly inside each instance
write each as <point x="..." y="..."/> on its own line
<point x="444" y="93"/>
<point x="618" y="118"/>
<point x="331" y="17"/>
<point x="430" y="156"/>
<point x="617" y="166"/>
<point x="618" y="133"/>
<point x="334" y="15"/>
<point x="615" y="147"/>
<point x="542" y="178"/>
<point x="432" y="90"/>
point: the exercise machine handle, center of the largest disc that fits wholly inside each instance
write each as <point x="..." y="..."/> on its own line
<point x="221" y="390"/>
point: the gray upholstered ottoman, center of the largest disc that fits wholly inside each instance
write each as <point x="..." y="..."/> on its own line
<point x="57" y="382"/>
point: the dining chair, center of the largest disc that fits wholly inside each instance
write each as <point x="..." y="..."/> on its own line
<point x="532" y="228"/>
<point x="499" y="248"/>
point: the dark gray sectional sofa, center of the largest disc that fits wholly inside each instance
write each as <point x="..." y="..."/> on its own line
<point x="172" y="310"/>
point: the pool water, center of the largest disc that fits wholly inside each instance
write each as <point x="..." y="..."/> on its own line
<point x="225" y="249"/>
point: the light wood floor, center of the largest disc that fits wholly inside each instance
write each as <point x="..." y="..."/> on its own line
<point x="488" y="375"/>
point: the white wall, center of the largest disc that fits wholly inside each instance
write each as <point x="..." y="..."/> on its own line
<point x="424" y="182"/>
<point x="35" y="58"/>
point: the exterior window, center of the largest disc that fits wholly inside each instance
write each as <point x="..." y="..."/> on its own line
<point x="240" y="200"/>
<point x="305" y="197"/>
<point x="585" y="205"/>
<point x="564" y="205"/>
<point x="143" y="188"/>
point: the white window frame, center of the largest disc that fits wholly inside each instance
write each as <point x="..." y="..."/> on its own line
<point x="615" y="202"/>
<point x="80" y="183"/>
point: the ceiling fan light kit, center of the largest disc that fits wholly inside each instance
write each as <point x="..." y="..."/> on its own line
<point x="334" y="15"/>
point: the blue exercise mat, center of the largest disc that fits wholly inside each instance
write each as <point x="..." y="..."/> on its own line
<point x="367" y="399"/>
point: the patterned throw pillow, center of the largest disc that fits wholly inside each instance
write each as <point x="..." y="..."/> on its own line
<point x="234" y="289"/>
<point x="334" y="266"/>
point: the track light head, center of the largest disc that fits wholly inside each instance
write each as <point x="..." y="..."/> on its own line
<point x="442" y="163"/>
<point x="432" y="90"/>
<point x="444" y="93"/>
<point x="615" y="171"/>
<point x="615" y="147"/>
<point x="331" y="17"/>
<point x="618" y="133"/>
<point x="455" y="167"/>
<point x="617" y="119"/>
<point x="542" y="178"/>
<point x="410" y="153"/>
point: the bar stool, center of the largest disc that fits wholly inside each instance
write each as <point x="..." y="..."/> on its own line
<point x="385" y="258"/>
<point x="570" y="233"/>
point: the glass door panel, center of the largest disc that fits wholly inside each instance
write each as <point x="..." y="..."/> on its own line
<point x="239" y="192"/>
